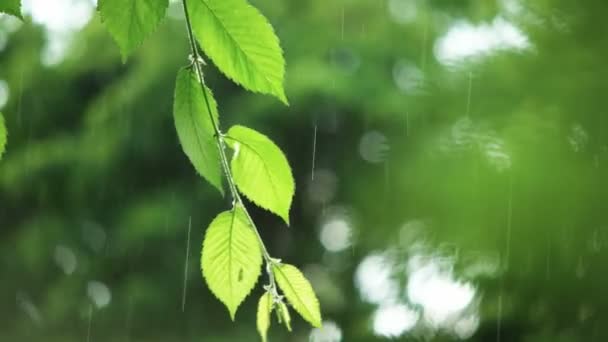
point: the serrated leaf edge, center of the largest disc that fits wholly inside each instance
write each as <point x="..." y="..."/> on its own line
<point x="230" y="310"/>
<point x="284" y="216"/>
<point x="278" y="268"/>
<point x="279" y="93"/>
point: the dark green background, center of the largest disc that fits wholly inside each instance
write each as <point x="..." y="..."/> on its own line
<point x="493" y="168"/>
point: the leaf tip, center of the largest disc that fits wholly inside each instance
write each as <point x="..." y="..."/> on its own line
<point x="285" y="217"/>
<point x="220" y="189"/>
<point x="232" y="311"/>
<point x="126" y="51"/>
<point x="283" y="98"/>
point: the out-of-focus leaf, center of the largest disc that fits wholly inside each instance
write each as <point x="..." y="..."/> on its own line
<point x="12" y="7"/>
<point x="130" y="22"/>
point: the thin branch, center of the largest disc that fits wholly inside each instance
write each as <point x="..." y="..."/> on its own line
<point x="221" y="145"/>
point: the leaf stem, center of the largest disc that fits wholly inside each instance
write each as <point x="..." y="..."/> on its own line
<point x="221" y="145"/>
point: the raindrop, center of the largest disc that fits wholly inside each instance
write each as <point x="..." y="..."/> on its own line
<point x="499" y="318"/>
<point x="314" y="153"/>
<point x="548" y="261"/>
<point x="185" y="287"/>
<point x="468" y="110"/>
<point x="374" y="147"/>
<point x="509" y="224"/>
<point x="342" y="24"/>
<point x="65" y="259"/>
<point x="99" y="293"/>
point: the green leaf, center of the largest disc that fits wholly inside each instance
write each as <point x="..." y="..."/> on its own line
<point x="264" y="311"/>
<point x="261" y="170"/>
<point x="231" y="259"/>
<point x="299" y="292"/>
<point x="130" y="22"/>
<point x="284" y="316"/>
<point x="241" y="42"/>
<point x="12" y="7"/>
<point x="194" y="127"/>
<point x="2" y="135"/>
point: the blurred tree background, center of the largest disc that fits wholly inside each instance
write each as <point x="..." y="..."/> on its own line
<point x="450" y="161"/>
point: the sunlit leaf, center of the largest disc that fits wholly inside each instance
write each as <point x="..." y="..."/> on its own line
<point x="231" y="259"/>
<point x="284" y="315"/>
<point x="2" y="135"/>
<point x="264" y="311"/>
<point x="299" y="292"/>
<point x="194" y="127"/>
<point x="261" y="170"/>
<point x="12" y="7"/>
<point x="130" y="22"/>
<point x="241" y="42"/>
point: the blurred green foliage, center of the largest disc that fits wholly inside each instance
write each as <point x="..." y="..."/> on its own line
<point x="502" y="156"/>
